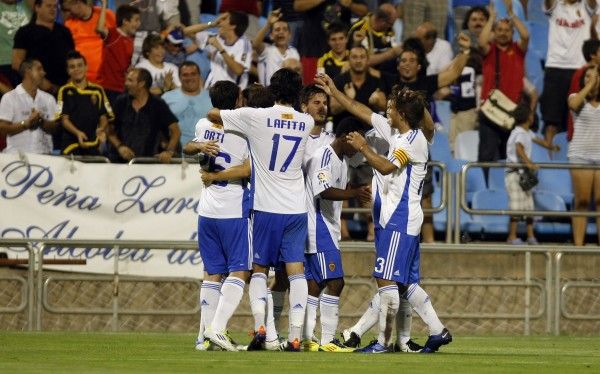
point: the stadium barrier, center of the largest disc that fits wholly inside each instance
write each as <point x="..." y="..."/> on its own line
<point x="544" y="298"/>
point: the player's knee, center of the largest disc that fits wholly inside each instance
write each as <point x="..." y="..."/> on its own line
<point x="335" y="286"/>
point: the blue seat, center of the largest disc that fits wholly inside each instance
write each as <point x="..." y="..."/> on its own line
<point x="535" y="69"/>
<point x="561" y="140"/>
<point x="538" y="37"/>
<point x="496" y="179"/>
<point x="207" y="17"/>
<point x="440" y="149"/>
<point x="535" y="11"/>
<point x="442" y="108"/>
<point x="547" y="200"/>
<point x="539" y="153"/>
<point x="466" y="145"/>
<point x="491" y="199"/>
<point x="557" y="181"/>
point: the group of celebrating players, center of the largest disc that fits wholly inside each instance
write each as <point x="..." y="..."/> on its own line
<point x="275" y="182"/>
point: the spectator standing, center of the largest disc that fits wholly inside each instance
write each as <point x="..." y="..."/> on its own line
<point x="439" y="51"/>
<point x="14" y="14"/>
<point x="252" y="8"/>
<point x="165" y="76"/>
<point x="190" y="101"/>
<point x="82" y="22"/>
<point x="175" y="51"/>
<point x="584" y="149"/>
<point x="118" y="48"/>
<point x="46" y="41"/>
<point x="83" y="110"/>
<point x="141" y="119"/>
<point x="317" y="16"/>
<point x="570" y="24"/>
<point x="418" y="11"/>
<point x="293" y="18"/>
<point x="271" y="56"/>
<point x="333" y="62"/>
<point x="503" y="58"/>
<point x="27" y="113"/>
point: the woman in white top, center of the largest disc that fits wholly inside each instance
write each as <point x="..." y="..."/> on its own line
<point x="584" y="149"/>
<point x="165" y="76"/>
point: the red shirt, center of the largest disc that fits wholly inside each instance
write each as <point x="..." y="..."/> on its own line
<point x="88" y="42"/>
<point x="118" y="49"/>
<point x="512" y="71"/>
<point x="574" y="88"/>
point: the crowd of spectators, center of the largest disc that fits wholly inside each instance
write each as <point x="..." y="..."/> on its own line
<point x="130" y="79"/>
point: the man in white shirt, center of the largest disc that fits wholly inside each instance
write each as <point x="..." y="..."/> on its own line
<point x="277" y="138"/>
<point x="439" y="51"/>
<point x="271" y="56"/>
<point x="27" y="114"/>
<point x="229" y="52"/>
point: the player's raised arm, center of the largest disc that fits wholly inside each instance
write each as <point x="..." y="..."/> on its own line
<point x="232" y="173"/>
<point x="357" y="109"/>
<point x="379" y="163"/>
<point x="214" y="116"/>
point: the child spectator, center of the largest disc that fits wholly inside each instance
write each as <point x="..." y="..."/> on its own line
<point x="165" y="76"/>
<point x="335" y="61"/>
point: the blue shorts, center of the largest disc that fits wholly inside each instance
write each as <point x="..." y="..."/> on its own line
<point x="322" y="266"/>
<point x="225" y="244"/>
<point x="278" y="237"/>
<point x="397" y="257"/>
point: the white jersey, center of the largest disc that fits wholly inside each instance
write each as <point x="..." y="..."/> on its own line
<point x="158" y="74"/>
<point x="569" y="27"/>
<point x="324" y="170"/>
<point x="15" y="107"/>
<point x="440" y="57"/>
<point x="401" y="197"/>
<point x="277" y="138"/>
<point x="316" y="142"/>
<point x="241" y="51"/>
<point x="226" y="199"/>
<point x="270" y="60"/>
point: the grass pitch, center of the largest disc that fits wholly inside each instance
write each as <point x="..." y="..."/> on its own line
<point x="22" y="352"/>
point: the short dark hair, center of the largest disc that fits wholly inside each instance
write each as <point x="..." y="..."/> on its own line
<point x="151" y="41"/>
<point x="475" y="9"/>
<point x="521" y="113"/>
<point x="336" y="27"/>
<point x="589" y="48"/>
<point x="258" y="96"/>
<point x="410" y="104"/>
<point x="145" y="77"/>
<point x="415" y="46"/>
<point x="240" y="21"/>
<point x="27" y="64"/>
<point x="189" y="63"/>
<point x="75" y="55"/>
<point x="309" y="91"/>
<point x="125" y="12"/>
<point x="348" y="125"/>
<point x="224" y="94"/>
<point x="285" y="86"/>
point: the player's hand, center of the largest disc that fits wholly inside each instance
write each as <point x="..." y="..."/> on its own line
<point x="81" y="138"/>
<point x="207" y="177"/>
<point x="349" y="90"/>
<point x="356" y="140"/>
<point x="164" y="157"/>
<point x="324" y="82"/>
<point x="377" y="99"/>
<point x="274" y="16"/>
<point x="363" y="195"/>
<point x="209" y="148"/>
<point x="125" y="152"/>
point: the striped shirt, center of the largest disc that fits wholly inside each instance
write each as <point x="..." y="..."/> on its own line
<point x="586" y="134"/>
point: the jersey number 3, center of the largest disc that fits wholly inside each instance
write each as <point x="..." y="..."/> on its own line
<point x="290" y="157"/>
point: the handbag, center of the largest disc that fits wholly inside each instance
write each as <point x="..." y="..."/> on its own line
<point x="527" y="179"/>
<point x="498" y="108"/>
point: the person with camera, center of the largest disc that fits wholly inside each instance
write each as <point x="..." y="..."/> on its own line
<point x="520" y="181"/>
<point x="27" y="113"/>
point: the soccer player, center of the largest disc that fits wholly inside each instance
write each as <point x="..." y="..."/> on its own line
<point x="400" y="217"/>
<point x="277" y="138"/>
<point x="224" y="235"/>
<point x="326" y="181"/>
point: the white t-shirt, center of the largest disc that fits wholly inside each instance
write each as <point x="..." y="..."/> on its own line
<point x="158" y="74"/>
<point x="15" y="107"/>
<point x="586" y="133"/>
<point x="439" y="57"/>
<point x="569" y="27"/>
<point x="518" y="135"/>
<point x="401" y="197"/>
<point x="316" y="142"/>
<point x="324" y="170"/>
<point x="241" y="51"/>
<point x="277" y="138"/>
<point x="226" y="199"/>
<point x="270" y="61"/>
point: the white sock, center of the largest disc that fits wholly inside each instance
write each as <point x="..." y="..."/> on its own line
<point x="258" y="298"/>
<point x="420" y="302"/>
<point x="210" y="292"/>
<point x="298" y="297"/>
<point x="271" y="330"/>
<point x="200" y="338"/>
<point x="403" y="321"/>
<point x="389" y="302"/>
<point x="278" y="299"/>
<point x="310" y="320"/>
<point x="330" y="317"/>
<point x="369" y="317"/>
<point x="232" y="291"/>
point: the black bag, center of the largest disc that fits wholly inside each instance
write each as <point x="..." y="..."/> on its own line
<point x="527" y="179"/>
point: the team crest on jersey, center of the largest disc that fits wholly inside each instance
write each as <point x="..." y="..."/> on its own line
<point x="287" y="116"/>
<point x="322" y="177"/>
<point x="331" y="266"/>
